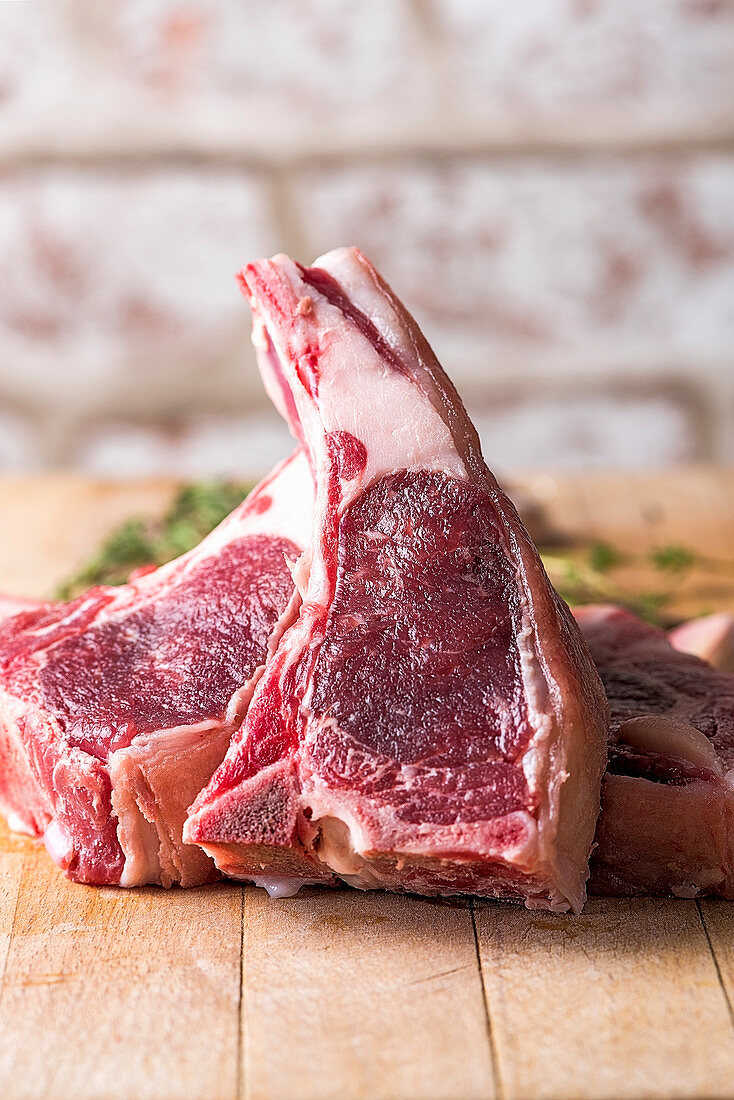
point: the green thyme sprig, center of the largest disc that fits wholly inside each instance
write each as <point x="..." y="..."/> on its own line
<point x="194" y="512"/>
<point x="588" y="578"/>
<point x="581" y="576"/>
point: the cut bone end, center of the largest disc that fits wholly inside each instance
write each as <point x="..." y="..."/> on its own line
<point x="660" y="734"/>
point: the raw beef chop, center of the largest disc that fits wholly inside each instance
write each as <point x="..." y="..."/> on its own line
<point x="432" y="722"/>
<point x="13" y="605"/>
<point x="667" y="818"/>
<point x="711" y="638"/>
<point x="116" y="708"/>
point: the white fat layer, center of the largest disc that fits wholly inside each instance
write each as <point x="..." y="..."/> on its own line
<point x="534" y="761"/>
<point x="17" y="824"/>
<point x="400" y="332"/>
<point x="138" y="833"/>
<point x="542" y="764"/>
<point x="59" y="843"/>
<point x="366" y="293"/>
<point x="337" y="851"/>
<point x="138" y="838"/>
<point x="420" y="439"/>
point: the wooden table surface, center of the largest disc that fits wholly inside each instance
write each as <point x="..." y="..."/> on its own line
<point x="221" y="992"/>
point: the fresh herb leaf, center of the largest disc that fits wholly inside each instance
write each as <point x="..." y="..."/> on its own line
<point x="194" y="512"/>
<point x="580" y="576"/>
<point x="583" y="577"/>
<point x="651" y="606"/>
<point x="673" y="558"/>
<point x="603" y="557"/>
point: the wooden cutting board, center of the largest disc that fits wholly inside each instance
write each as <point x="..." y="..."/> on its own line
<point x="220" y="992"/>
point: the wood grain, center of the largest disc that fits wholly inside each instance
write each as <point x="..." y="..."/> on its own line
<point x="718" y="922"/>
<point x="613" y="1003"/>
<point x="114" y="993"/>
<point x="352" y="996"/>
<point x="219" y="992"/>
<point x="52" y="524"/>
<point x="12" y="851"/>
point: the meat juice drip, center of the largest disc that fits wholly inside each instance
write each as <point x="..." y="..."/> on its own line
<point x="279" y="887"/>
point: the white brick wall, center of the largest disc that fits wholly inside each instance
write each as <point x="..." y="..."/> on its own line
<point x="119" y="291"/>
<point x="34" y="61"/>
<point x="109" y="259"/>
<point x="549" y="185"/>
<point x="640" y="67"/>
<point x="17" y="449"/>
<point x="621" y="427"/>
<point x="210" y="446"/>
<point x="546" y="251"/>
<point x="299" y="56"/>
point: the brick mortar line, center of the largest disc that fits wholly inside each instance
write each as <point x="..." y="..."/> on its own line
<point x="156" y="411"/>
<point x="284" y="211"/>
<point x="344" y="156"/>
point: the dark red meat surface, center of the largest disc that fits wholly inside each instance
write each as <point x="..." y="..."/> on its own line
<point x="419" y="664"/>
<point x="175" y="660"/>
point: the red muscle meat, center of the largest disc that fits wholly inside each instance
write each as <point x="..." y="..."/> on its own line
<point x="13" y="605"/>
<point x="116" y="708"/>
<point x="667" y="817"/>
<point x="432" y="722"/>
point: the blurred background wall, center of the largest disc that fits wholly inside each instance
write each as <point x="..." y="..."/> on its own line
<point x="549" y="184"/>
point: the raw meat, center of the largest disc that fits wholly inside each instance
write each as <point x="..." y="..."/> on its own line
<point x="667" y="818"/>
<point x="432" y="722"/>
<point x="711" y="638"/>
<point x="116" y="708"/>
<point x="13" y="605"/>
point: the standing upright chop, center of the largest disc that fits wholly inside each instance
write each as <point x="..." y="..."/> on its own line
<point x="432" y="721"/>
